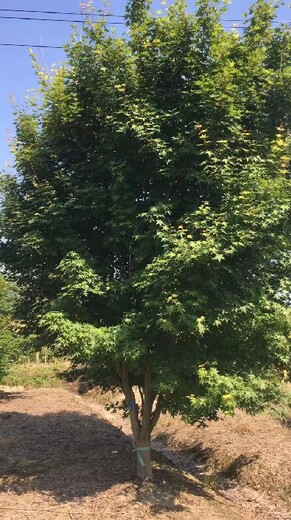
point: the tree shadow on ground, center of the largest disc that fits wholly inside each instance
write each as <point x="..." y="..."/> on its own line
<point x="199" y="462"/>
<point x="232" y="470"/>
<point x="72" y="455"/>
<point x="169" y="484"/>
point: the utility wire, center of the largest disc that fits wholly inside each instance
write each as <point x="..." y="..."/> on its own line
<point x="243" y="20"/>
<point x="28" y="18"/>
<point x="33" y="45"/>
<point x="96" y="13"/>
<point x="11" y="44"/>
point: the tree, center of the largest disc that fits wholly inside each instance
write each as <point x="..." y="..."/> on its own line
<point x="148" y="224"/>
<point x="10" y="341"/>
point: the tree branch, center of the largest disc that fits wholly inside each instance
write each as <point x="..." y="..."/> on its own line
<point x="118" y="369"/>
<point x="131" y="402"/>
<point x="141" y="397"/>
<point x="156" y="413"/>
<point x="148" y="402"/>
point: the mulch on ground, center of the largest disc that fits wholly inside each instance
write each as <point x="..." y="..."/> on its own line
<point x="59" y="459"/>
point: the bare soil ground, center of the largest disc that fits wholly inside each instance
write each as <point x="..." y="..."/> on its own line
<point x="61" y="459"/>
<point x="245" y="454"/>
<point x="245" y="459"/>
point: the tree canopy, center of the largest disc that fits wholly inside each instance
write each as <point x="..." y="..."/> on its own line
<point x="148" y="225"/>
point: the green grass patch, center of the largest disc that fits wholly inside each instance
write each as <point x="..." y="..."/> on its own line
<point x="34" y="375"/>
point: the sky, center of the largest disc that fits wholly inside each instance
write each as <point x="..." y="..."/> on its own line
<point x="17" y="74"/>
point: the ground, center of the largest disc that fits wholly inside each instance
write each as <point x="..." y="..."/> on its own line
<point x="65" y="456"/>
<point x="62" y="459"/>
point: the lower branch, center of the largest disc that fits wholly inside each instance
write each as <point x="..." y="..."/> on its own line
<point x="131" y="402"/>
<point x="156" y="412"/>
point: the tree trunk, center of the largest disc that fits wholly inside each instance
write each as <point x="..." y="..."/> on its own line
<point x="143" y="419"/>
<point x="143" y="457"/>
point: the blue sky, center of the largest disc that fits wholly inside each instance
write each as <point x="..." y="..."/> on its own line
<point x="17" y="74"/>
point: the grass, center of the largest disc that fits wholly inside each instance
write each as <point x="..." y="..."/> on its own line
<point x="34" y="375"/>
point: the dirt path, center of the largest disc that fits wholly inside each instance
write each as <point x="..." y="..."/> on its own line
<point x="60" y="459"/>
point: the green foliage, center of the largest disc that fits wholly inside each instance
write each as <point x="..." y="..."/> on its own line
<point x="32" y="375"/>
<point x="149" y="225"/>
<point x="251" y="393"/>
<point x="136" y="10"/>
<point x="10" y="340"/>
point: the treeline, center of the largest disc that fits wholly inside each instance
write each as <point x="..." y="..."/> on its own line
<point x="11" y="342"/>
<point x="15" y="346"/>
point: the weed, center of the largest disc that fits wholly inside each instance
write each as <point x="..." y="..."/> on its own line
<point x="34" y="375"/>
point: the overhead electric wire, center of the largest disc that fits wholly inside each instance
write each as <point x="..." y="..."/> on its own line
<point x="28" y="18"/>
<point x="242" y="20"/>
<point x="32" y="45"/>
<point x="96" y="13"/>
<point x="99" y="13"/>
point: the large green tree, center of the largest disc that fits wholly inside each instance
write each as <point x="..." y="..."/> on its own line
<point x="148" y="222"/>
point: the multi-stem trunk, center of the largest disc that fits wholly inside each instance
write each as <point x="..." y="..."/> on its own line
<point x="143" y="459"/>
<point x="143" y="419"/>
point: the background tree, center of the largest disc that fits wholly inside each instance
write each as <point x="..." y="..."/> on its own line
<point x="148" y="225"/>
<point x="10" y="341"/>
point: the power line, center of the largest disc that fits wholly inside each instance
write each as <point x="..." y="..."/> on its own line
<point x="96" y="13"/>
<point x="33" y="45"/>
<point x="242" y="20"/>
<point x="11" y="44"/>
<point x="28" y="18"/>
